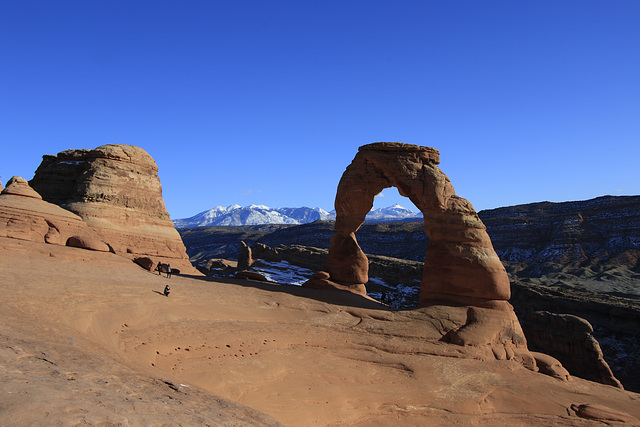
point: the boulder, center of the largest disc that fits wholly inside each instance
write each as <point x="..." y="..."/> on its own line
<point x="218" y="263"/>
<point x="549" y="365"/>
<point x="320" y="275"/>
<point x="326" y="284"/>
<point x="116" y="190"/>
<point x="251" y="275"/>
<point x="145" y="262"/>
<point x="88" y="241"/>
<point x="603" y="414"/>
<point x="25" y="216"/>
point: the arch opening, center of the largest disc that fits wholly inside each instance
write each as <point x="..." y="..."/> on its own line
<point x="394" y="228"/>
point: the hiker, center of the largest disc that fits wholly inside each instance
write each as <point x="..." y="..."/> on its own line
<point x="168" y="270"/>
<point x="159" y="268"/>
<point x="385" y="298"/>
<point x="166" y="291"/>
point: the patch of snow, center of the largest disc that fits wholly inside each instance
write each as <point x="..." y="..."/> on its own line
<point x="71" y="162"/>
<point x="282" y="272"/>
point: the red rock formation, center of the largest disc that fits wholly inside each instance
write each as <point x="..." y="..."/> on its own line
<point x="549" y="365"/>
<point x="251" y="275"/>
<point x="116" y="190"/>
<point x="245" y="259"/>
<point x="24" y="215"/>
<point x="460" y="266"/>
<point x="18" y="186"/>
<point x="603" y="414"/>
<point x="145" y="262"/>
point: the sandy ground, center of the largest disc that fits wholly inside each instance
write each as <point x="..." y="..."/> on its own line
<point x="87" y="338"/>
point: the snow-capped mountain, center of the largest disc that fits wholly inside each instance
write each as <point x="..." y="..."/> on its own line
<point x="392" y="213"/>
<point x="254" y="215"/>
<point x="260" y="214"/>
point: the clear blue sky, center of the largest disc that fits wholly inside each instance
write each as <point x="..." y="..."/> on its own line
<point x="266" y="102"/>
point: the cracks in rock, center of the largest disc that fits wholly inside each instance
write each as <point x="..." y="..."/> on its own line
<point x="399" y="366"/>
<point x="52" y="226"/>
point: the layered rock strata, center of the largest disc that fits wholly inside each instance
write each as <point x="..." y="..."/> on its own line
<point x="460" y="263"/>
<point x="25" y="216"/>
<point x="586" y="238"/>
<point x="116" y="190"/>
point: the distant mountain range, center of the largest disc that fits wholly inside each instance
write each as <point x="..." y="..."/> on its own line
<point x="236" y="215"/>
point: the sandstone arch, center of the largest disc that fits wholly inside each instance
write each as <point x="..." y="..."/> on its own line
<point x="460" y="264"/>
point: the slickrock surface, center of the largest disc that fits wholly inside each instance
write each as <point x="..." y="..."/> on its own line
<point x="60" y="362"/>
<point x="87" y="337"/>
<point x="460" y="265"/>
<point x="116" y="190"/>
<point x="24" y="215"/>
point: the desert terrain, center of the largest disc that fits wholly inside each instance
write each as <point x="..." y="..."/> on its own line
<point x="577" y="257"/>
<point x="87" y="338"/>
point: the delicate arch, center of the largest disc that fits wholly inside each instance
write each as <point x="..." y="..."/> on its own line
<point x="460" y="262"/>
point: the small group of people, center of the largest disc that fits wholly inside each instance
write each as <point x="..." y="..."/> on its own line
<point x="167" y="269"/>
<point x="164" y="267"/>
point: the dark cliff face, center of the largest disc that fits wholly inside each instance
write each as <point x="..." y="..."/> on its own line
<point x="569" y="339"/>
<point x="205" y="243"/>
<point x="584" y="238"/>
<point x="615" y="321"/>
<point x="398" y="239"/>
<point x="57" y="176"/>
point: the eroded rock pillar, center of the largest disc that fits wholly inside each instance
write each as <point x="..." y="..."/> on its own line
<point x="346" y="262"/>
